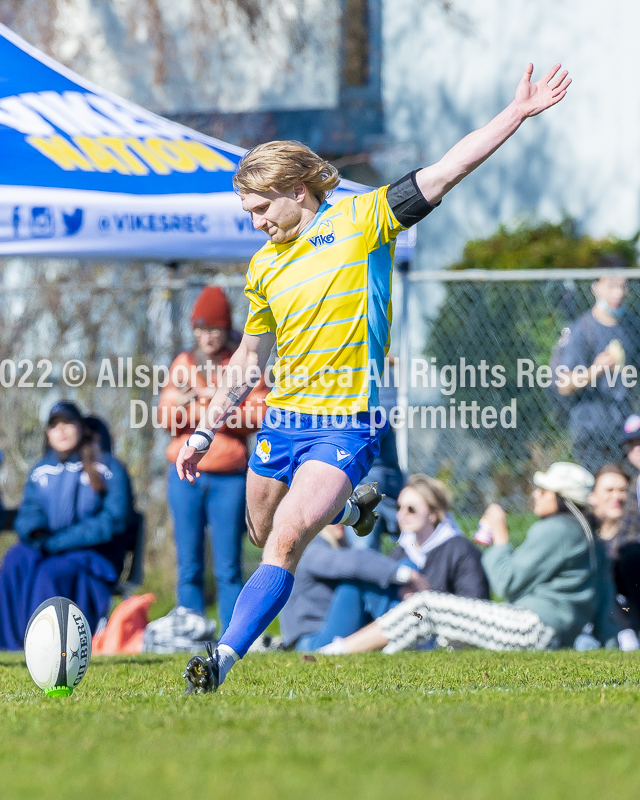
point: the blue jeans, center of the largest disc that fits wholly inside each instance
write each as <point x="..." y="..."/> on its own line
<point x="217" y="501"/>
<point x="354" y="603"/>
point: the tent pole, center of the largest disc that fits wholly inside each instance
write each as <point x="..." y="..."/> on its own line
<point x="175" y="311"/>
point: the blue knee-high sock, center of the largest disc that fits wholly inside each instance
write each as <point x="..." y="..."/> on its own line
<point x="261" y="600"/>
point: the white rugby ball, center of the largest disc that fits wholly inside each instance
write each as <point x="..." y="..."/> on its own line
<point x="57" y="646"/>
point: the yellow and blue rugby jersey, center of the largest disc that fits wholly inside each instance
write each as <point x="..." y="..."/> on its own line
<point x="327" y="297"/>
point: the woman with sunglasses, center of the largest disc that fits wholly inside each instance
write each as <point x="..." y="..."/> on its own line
<point x="338" y="588"/>
<point x="73" y="524"/>
<point x="432" y="541"/>
<point x="555" y="582"/>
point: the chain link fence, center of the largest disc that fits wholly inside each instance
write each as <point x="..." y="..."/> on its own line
<point x="117" y="319"/>
<point x="80" y="331"/>
<point x="480" y="337"/>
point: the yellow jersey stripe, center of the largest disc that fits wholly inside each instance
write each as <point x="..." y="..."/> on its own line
<point x="327" y="296"/>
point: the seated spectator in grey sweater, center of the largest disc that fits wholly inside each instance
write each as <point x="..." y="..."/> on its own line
<point x="432" y="541"/>
<point x="555" y="583"/>
<point x="338" y="589"/>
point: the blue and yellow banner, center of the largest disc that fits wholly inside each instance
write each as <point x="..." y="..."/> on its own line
<point x="84" y="172"/>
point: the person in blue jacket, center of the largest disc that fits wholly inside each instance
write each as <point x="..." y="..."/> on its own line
<point x="73" y="525"/>
<point x="1" y="506"/>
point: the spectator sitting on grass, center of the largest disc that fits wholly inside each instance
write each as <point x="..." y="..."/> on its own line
<point x="555" y="582"/>
<point x="73" y="526"/>
<point x="431" y="539"/>
<point x="1" y="506"/>
<point x="338" y="588"/>
<point x="631" y="446"/>
<point x="618" y="526"/>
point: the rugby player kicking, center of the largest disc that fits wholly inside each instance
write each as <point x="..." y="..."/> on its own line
<point x="320" y="289"/>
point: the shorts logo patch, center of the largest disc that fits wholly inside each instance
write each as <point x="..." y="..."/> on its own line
<point x="325" y="234"/>
<point x="263" y="451"/>
<point x="342" y="454"/>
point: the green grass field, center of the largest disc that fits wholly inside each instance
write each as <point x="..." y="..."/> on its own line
<point x="464" y="724"/>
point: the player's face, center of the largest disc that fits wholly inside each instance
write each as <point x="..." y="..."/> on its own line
<point x="278" y="215"/>
<point x="413" y="513"/>
<point x="63" y="436"/>
<point x="608" y="497"/>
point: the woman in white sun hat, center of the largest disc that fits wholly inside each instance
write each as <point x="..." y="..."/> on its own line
<point x="555" y="583"/>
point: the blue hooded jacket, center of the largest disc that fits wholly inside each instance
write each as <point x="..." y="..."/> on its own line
<point x="1" y="506"/>
<point x="65" y="513"/>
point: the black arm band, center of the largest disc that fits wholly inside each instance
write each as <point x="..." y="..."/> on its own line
<point x="407" y="201"/>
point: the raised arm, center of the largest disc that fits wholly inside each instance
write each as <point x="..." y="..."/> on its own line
<point x="531" y="99"/>
<point x="240" y="376"/>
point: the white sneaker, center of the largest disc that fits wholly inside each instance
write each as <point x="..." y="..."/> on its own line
<point x="334" y="648"/>
<point x="181" y="631"/>
<point x="628" y="640"/>
<point x="266" y="643"/>
<point x="193" y="625"/>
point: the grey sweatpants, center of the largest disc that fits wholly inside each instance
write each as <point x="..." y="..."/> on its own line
<point x="493" y="626"/>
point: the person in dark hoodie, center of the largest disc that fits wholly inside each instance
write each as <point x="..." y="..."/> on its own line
<point x="615" y="509"/>
<point x="73" y="525"/>
<point x="1" y="506"/>
<point x="338" y="589"/>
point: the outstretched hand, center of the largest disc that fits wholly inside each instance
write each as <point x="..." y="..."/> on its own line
<point x="534" y="98"/>
<point x="187" y="463"/>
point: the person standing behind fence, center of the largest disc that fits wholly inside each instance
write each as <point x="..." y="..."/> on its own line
<point x="602" y="341"/>
<point x="218" y="498"/>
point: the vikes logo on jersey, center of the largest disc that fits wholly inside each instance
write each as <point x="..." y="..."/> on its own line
<point x="263" y="451"/>
<point x="325" y="234"/>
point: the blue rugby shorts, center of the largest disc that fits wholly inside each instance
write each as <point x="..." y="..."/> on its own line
<point x="287" y="439"/>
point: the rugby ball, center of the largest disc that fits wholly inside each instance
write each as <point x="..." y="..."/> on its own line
<point x="57" y="646"/>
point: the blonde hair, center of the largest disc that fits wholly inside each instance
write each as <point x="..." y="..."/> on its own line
<point x="434" y="493"/>
<point x="283" y="166"/>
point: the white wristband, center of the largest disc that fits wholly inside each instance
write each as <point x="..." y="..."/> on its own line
<point x="201" y="439"/>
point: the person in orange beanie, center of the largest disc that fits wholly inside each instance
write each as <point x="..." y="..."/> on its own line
<point x="218" y="499"/>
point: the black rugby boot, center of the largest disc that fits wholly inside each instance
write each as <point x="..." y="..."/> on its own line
<point x="202" y="674"/>
<point x="366" y="497"/>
